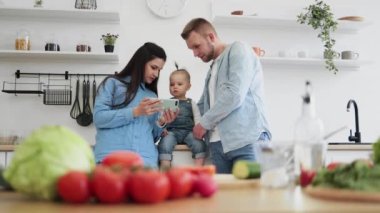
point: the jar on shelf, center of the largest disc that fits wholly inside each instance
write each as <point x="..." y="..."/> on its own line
<point x="22" y="40"/>
<point x="86" y="4"/>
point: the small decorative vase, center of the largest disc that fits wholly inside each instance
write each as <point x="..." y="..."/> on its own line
<point x="108" y="48"/>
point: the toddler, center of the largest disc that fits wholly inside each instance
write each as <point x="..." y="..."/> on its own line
<point x="180" y="131"/>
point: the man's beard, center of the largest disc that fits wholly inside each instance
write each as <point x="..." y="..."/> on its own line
<point x="210" y="56"/>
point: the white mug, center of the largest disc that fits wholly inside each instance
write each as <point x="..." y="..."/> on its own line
<point x="302" y="54"/>
<point x="349" y="55"/>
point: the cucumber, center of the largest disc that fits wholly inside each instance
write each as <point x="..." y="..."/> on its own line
<point x="243" y="169"/>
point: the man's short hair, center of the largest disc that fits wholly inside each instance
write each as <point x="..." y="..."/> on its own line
<point x="199" y="25"/>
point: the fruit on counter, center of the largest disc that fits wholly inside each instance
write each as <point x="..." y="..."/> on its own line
<point x="45" y="155"/>
<point x="181" y="182"/>
<point x="306" y="177"/>
<point x="149" y="186"/>
<point x="196" y="170"/>
<point x="73" y="187"/>
<point x="333" y="165"/>
<point x="126" y="159"/>
<point x="110" y="184"/>
<point x="243" y="169"/>
<point x="205" y="185"/>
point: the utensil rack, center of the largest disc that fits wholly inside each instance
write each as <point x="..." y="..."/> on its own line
<point x="15" y="89"/>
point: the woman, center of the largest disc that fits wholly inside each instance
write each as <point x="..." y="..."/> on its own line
<point x="126" y="111"/>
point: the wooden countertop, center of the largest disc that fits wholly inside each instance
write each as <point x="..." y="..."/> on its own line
<point x="352" y="147"/>
<point x="247" y="199"/>
<point x="12" y="147"/>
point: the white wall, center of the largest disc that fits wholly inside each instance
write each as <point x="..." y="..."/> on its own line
<point x="283" y="87"/>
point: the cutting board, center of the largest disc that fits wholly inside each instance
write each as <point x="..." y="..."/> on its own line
<point x="342" y="194"/>
<point x="228" y="181"/>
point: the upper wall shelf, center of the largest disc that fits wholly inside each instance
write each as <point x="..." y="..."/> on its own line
<point x="254" y="22"/>
<point x="59" y="56"/>
<point x="310" y="62"/>
<point x="91" y="16"/>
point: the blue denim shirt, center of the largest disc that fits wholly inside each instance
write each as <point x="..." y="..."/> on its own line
<point x="238" y="111"/>
<point x="117" y="129"/>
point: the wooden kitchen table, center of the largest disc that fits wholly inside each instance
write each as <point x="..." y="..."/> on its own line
<point x="248" y="199"/>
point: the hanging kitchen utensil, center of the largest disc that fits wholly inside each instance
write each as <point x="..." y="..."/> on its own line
<point x="79" y="119"/>
<point x="93" y="93"/>
<point x="57" y="94"/>
<point x="75" y="110"/>
<point x="87" y="108"/>
<point x="85" y="118"/>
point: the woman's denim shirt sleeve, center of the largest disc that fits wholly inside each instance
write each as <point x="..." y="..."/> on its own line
<point x="104" y="114"/>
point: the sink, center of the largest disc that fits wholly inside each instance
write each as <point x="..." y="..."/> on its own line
<point x="350" y="143"/>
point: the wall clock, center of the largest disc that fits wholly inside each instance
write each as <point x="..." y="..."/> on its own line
<point x="166" y="8"/>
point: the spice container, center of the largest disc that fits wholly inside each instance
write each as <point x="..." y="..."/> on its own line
<point x="22" y="40"/>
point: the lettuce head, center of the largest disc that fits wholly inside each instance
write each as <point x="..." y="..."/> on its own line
<point x="44" y="156"/>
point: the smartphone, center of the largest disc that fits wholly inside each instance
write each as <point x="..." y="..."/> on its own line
<point x="172" y="104"/>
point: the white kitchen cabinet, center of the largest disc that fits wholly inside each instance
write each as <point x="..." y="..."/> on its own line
<point x="347" y="153"/>
<point x="2" y="159"/>
<point x="241" y="22"/>
<point x="6" y="154"/>
<point x="74" y="16"/>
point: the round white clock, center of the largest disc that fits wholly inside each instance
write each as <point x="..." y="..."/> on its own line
<point x="166" y="8"/>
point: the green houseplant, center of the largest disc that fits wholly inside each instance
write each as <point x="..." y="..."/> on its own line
<point x="109" y="41"/>
<point x="319" y="16"/>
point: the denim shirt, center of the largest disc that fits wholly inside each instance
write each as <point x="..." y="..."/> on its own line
<point x="117" y="129"/>
<point x="238" y="111"/>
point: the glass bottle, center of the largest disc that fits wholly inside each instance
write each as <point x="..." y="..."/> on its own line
<point x="310" y="148"/>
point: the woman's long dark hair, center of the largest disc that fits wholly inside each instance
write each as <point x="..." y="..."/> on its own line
<point x="136" y="70"/>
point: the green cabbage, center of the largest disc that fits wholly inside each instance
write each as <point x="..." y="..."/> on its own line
<point x="44" y="156"/>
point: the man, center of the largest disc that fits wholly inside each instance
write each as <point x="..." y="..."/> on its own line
<point x="231" y="105"/>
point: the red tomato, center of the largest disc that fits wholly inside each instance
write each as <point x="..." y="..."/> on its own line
<point x="306" y="177"/>
<point x="332" y="166"/>
<point x="74" y="187"/>
<point x="149" y="186"/>
<point x="126" y="159"/>
<point x="206" y="169"/>
<point x="205" y="185"/>
<point x="109" y="186"/>
<point x="181" y="182"/>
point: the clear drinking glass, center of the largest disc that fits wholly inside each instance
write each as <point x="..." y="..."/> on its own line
<point x="277" y="164"/>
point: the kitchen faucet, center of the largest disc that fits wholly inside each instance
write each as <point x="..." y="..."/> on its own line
<point x="357" y="137"/>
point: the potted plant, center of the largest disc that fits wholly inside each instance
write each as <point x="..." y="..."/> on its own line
<point x="38" y="3"/>
<point x="319" y="16"/>
<point x="109" y="41"/>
